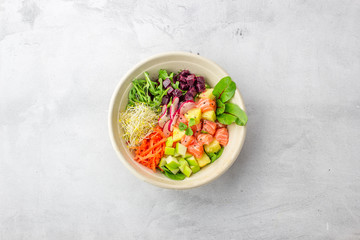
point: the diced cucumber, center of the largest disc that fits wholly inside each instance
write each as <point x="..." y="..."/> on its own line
<point x="187" y="155"/>
<point x="173" y="170"/>
<point x="184" y="167"/>
<point x="172" y="162"/>
<point x="180" y="149"/>
<point x="195" y="169"/>
<point x="162" y="162"/>
<point x="192" y="161"/>
<point x="186" y="170"/>
<point x="169" y="150"/>
<point x="183" y="162"/>
<point x="169" y="142"/>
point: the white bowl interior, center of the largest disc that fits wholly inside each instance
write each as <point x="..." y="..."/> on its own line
<point x="174" y="62"/>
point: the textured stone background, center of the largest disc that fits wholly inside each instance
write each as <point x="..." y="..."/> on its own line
<point x="296" y="63"/>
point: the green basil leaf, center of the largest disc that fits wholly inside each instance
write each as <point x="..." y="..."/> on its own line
<point x="221" y="86"/>
<point x="189" y="132"/>
<point x="235" y="110"/>
<point x="226" y="118"/>
<point x="182" y="126"/>
<point x="220" y="107"/>
<point x="228" y="92"/>
<point x="191" y="122"/>
<point x="178" y="176"/>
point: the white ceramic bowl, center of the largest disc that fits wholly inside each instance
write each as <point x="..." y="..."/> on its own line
<point x="174" y="61"/>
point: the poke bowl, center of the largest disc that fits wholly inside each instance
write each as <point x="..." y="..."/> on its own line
<point x="177" y="63"/>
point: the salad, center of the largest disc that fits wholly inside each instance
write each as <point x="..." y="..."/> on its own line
<point x="177" y="124"/>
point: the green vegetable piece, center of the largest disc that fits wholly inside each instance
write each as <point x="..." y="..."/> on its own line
<point x="226" y="118"/>
<point x="220" y="107"/>
<point x="228" y="92"/>
<point x="182" y="126"/>
<point x="150" y="84"/>
<point x="180" y="149"/>
<point x="238" y="112"/>
<point x="186" y="170"/>
<point x="224" y="87"/>
<point x="233" y="113"/>
<point x="189" y="132"/>
<point x="195" y="169"/>
<point x="182" y="163"/>
<point x="162" y="162"/>
<point x="172" y="170"/>
<point x="192" y="161"/>
<point x="191" y="122"/>
<point x="169" y="150"/>
<point x="178" y="176"/>
<point x="163" y="74"/>
<point x="169" y="142"/>
<point x="174" y="163"/>
<point x="187" y="155"/>
<point x="214" y="156"/>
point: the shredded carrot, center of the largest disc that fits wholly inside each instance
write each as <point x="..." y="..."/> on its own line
<point x="151" y="149"/>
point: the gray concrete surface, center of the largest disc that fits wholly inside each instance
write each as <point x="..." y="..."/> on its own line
<point x="296" y="63"/>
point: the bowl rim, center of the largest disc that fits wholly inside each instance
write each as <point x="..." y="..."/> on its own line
<point x="111" y="129"/>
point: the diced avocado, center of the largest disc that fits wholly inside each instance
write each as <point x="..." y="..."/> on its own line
<point x="204" y="160"/>
<point x="169" y="150"/>
<point x="177" y="134"/>
<point x="187" y="155"/>
<point x="212" y="147"/>
<point x="209" y="115"/>
<point x="186" y="170"/>
<point x="195" y="169"/>
<point x="162" y="162"/>
<point x="192" y="161"/>
<point x="173" y="170"/>
<point x="194" y="113"/>
<point x="207" y="94"/>
<point x="169" y="142"/>
<point x="172" y="162"/>
<point x="180" y="149"/>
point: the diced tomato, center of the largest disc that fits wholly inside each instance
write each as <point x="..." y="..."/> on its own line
<point x="206" y="104"/>
<point x="205" y="138"/>
<point x="196" y="149"/>
<point x="187" y="140"/>
<point x="222" y="136"/>
<point x="196" y="129"/>
<point x="209" y="127"/>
